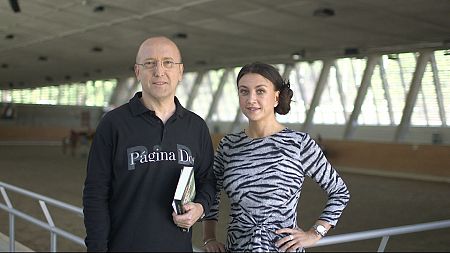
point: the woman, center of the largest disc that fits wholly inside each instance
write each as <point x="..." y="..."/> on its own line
<point x="262" y="170"/>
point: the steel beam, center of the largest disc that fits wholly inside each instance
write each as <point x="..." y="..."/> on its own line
<point x="411" y="98"/>
<point x="194" y="89"/>
<point x="323" y="78"/>
<point x="437" y="86"/>
<point x="359" y="100"/>
<point x="218" y="94"/>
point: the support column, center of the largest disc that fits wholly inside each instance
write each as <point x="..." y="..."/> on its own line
<point x="323" y="78"/>
<point x="287" y="71"/>
<point x="237" y="121"/>
<point x="437" y="86"/>
<point x="411" y="98"/>
<point x="217" y="94"/>
<point x="194" y="90"/>
<point x="387" y="95"/>
<point x="301" y="87"/>
<point x="359" y="100"/>
<point x="124" y="91"/>
<point x="341" y="91"/>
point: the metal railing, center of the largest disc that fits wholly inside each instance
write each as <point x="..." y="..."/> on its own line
<point x="384" y="233"/>
<point x="49" y="226"/>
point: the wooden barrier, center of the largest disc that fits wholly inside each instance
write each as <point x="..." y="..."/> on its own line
<point x="420" y="159"/>
<point x="424" y="159"/>
<point x="432" y="160"/>
<point x="26" y="133"/>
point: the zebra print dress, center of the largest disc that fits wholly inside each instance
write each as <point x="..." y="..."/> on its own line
<point x="263" y="179"/>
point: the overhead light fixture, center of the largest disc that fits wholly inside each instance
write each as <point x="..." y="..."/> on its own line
<point x="99" y="8"/>
<point x="180" y="35"/>
<point x="14" y="5"/>
<point x="97" y="49"/>
<point x="42" y="58"/>
<point x="324" y="12"/>
<point x="9" y="36"/>
<point x="351" y="51"/>
<point x="67" y="77"/>
<point x="297" y="56"/>
<point x="5" y="66"/>
<point x="48" y="78"/>
<point x="392" y="56"/>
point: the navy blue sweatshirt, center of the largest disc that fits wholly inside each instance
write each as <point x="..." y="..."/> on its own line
<point x="133" y="168"/>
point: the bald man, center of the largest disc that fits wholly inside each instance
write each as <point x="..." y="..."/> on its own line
<point x="135" y="160"/>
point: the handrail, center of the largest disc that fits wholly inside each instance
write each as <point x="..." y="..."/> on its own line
<point x="384" y="233"/>
<point x="50" y="226"/>
<point x="51" y="201"/>
<point x="44" y="225"/>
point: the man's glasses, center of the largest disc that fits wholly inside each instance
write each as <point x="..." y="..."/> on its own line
<point x="167" y="64"/>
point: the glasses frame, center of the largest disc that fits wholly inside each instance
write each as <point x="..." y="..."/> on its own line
<point x="159" y="62"/>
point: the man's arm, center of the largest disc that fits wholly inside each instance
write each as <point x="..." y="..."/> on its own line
<point x="204" y="184"/>
<point x="204" y="178"/>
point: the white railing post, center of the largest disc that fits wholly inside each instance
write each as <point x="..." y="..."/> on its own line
<point x="12" y="244"/>
<point x="51" y="224"/>
<point x="384" y="233"/>
<point x="383" y="244"/>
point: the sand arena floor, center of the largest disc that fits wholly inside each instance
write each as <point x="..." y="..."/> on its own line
<point x="376" y="202"/>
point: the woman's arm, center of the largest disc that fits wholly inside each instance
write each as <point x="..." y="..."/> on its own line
<point x="210" y="242"/>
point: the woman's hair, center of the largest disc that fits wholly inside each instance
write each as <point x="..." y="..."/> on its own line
<point x="271" y="74"/>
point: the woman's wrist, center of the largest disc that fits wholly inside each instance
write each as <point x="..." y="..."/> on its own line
<point x="208" y="241"/>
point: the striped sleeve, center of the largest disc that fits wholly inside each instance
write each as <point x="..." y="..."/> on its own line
<point x="316" y="166"/>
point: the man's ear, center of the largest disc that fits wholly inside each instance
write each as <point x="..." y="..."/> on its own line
<point x="181" y="72"/>
<point x="136" y="71"/>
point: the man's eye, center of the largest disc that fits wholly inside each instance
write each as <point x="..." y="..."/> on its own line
<point x="149" y="64"/>
<point x="168" y="63"/>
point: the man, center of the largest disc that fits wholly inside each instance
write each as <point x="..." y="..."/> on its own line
<point x="135" y="160"/>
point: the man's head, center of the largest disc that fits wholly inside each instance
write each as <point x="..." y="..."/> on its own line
<point x="158" y="68"/>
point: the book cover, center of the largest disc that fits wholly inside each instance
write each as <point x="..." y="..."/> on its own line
<point x="185" y="191"/>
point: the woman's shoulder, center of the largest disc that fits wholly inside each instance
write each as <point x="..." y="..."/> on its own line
<point x="287" y="132"/>
<point x="233" y="137"/>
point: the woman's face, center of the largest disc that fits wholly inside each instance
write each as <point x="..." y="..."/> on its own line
<point x="257" y="97"/>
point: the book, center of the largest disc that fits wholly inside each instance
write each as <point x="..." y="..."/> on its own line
<point x="185" y="191"/>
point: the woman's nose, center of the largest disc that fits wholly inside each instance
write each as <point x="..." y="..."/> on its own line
<point x="251" y="98"/>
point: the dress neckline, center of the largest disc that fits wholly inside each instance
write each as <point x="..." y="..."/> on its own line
<point x="264" y="137"/>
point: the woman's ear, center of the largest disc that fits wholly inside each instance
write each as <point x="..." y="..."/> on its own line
<point x="277" y="98"/>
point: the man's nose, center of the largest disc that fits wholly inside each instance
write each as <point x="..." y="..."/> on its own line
<point x="159" y="69"/>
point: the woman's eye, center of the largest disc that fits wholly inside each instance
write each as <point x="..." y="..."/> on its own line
<point x="243" y="92"/>
<point x="260" y="91"/>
